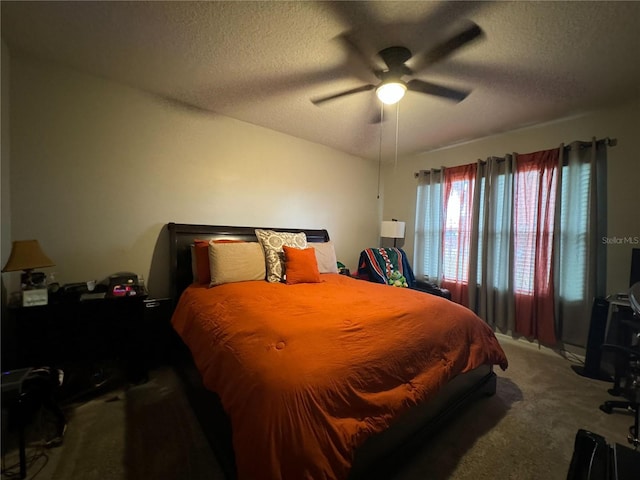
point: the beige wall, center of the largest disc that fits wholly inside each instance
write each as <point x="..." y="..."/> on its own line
<point x="5" y="200"/>
<point x="623" y="219"/>
<point x="97" y="170"/>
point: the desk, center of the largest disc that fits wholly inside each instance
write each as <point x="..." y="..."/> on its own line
<point x="604" y="328"/>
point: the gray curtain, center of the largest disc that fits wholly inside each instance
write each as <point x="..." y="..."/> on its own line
<point x="492" y="244"/>
<point x="580" y="260"/>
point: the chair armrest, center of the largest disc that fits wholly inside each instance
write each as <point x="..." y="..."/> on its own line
<point x="431" y="288"/>
<point x="629" y="352"/>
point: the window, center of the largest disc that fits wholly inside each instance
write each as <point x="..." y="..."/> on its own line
<point x="533" y="233"/>
<point x="530" y="238"/>
<point x="574" y="224"/>
<point x="428" y="227"/>
<point x="457" y="230"/>
<point x="456" y="220"/>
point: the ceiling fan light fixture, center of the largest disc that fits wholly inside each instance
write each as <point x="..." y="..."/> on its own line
<point x="390" y="93"/>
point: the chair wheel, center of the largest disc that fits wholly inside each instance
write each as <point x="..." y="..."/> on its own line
<point x="606" y="408"/>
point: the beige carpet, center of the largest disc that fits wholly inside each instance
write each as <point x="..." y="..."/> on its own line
<point x="146" y="432"/>
<point x="525" y="431"/>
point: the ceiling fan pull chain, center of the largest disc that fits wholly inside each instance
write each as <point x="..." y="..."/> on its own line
<point x="397" y="130"/>
<point x="380" y="146"/>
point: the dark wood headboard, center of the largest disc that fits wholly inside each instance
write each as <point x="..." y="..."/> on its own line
<point x="181" y="236"/>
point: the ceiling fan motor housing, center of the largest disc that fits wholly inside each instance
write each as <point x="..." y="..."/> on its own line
<point x="394" y="58"/>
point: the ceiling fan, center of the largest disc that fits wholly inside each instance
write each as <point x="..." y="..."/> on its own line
<point x="393" y="86"/>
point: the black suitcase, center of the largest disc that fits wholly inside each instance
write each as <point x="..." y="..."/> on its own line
<point x="594" y="459"/>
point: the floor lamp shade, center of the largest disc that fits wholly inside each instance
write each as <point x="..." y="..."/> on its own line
<point x="392" y="229"/>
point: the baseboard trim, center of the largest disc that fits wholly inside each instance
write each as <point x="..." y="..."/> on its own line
<point x="572" y="352"/>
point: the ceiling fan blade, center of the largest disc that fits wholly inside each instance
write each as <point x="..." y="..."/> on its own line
<point x="363" y="88"/>
<point x="437" y="90"/>
<point x="355" y="52"/>
<point x="446" y="48"/>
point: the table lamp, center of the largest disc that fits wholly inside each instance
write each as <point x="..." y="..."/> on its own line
<point x="27" y="255"/>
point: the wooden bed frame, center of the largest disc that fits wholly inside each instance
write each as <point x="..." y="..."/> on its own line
<point x="381" y="454"/>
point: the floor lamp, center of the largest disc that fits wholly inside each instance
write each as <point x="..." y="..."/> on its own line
<point x="392" y="229"/>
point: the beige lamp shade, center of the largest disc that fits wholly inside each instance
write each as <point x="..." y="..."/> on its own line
<point x="26" y="255"/>
<point x="392" y="229"/>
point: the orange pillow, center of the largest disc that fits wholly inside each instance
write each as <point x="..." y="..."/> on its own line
<point x="201" y="253"/>
<point x="301" y="265"/>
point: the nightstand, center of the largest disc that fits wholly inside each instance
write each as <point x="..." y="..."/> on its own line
<point x="98" y="343"/>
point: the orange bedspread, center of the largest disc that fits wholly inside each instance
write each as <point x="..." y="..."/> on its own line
<point x="307" y="372"/>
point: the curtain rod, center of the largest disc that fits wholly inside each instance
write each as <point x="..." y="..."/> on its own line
<point x="609" y="142"/>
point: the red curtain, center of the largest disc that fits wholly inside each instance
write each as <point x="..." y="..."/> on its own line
<point x="459" y="184"/>
<point x="535" y="199"/>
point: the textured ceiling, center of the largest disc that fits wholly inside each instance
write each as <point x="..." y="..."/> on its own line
<point x="262" y="62"/>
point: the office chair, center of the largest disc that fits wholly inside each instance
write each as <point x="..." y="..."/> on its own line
<point x="627" y="369"/>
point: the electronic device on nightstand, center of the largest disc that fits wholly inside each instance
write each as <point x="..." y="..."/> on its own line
<point x="124" y="284"/>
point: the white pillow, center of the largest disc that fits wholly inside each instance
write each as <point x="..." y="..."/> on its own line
<point x="326" y="257"/>
<point x="235" y="262"/>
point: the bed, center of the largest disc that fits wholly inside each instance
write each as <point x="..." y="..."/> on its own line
<point x="332" y="379"/>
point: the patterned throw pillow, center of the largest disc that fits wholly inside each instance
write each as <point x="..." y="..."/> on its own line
<point x="272" y="243"/>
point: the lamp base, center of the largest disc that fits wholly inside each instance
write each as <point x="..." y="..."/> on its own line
<point x="30" y="280"/>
